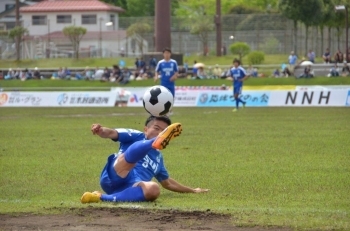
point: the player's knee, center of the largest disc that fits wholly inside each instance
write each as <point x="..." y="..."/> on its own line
<point x="151" y="191"/>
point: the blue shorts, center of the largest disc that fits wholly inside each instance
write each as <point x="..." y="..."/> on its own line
<point x="112" y="183"/>
<point x="237" y="90"/>
<point x="172" y="90"/>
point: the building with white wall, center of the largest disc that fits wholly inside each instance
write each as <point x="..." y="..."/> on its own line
<point x="46" y="20"/>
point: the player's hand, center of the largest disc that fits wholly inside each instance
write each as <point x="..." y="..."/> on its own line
<point x="96" y="129"/>
<point x="229" y="78"/>
<point x="200" y="190"/>
<point x="155" y="79"/>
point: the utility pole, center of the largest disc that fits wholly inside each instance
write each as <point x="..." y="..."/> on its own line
<point x="162" y="24"/>
<point x="347" y="34"/>
<point x="218" y="28"/>
<point x="17" y="13"/>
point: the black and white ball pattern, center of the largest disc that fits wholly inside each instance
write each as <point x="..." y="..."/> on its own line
<point x="158" y="100"/>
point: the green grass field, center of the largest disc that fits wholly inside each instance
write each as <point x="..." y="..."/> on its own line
<point x="266" y="166"/>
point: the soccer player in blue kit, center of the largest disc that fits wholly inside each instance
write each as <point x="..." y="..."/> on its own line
<point x="168" y="70"/>
<point x="238" y="75"/>
<point x="128" y="173"/>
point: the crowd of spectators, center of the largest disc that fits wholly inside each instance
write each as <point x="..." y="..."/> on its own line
<point x="146" y="69"/>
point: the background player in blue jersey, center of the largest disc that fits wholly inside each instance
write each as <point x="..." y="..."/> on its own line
<point x="168" y="70"/>
<point x="238" y="75"/>
<point x="127" y="175"/>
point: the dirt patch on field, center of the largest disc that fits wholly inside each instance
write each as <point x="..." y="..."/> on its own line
<point x="98" y="219"/>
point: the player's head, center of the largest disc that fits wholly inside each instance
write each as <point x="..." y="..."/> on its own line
<point x="236" y="62"/>
<point x="155" y="124"/>
<point x="166" y="53"/>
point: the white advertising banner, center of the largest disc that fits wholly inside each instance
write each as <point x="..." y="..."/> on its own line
<point x="132" y="97"/>
<point x="308" y="98"/>
<point x="57" y="99"/>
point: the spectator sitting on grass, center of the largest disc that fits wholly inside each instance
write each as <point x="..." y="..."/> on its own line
<point x="182" y="72"/>
<point x="338" y="57"/>
<point x="124" y="76"/>
<point x="194" y="70"/>
<point x="61" y="73"/>
<point x="10" y="74"/>
<point x="333" y="72"/>
<point x="36" y="73"/>
<point x="67" y="73"/>
<point x="217" y="71"/>
<point x="186" y="67"/>
<point x="327" y="56"/>
<point x="106" y="75"/>
<point x="285" y="71"/>
<point x="276" y="73"/>
<point x="88" y="73"/>
<point x="98" y="73"/>
<point x="345" y="70"/>
<point x="28" y="74"/>
<point x="201" y="73"/>
<point x="115" y="73"/>
<point x="152" y="63"/>
<point x="307" y="72"/>
<point x="18" y="74"/>
<point x="311" y="56"/>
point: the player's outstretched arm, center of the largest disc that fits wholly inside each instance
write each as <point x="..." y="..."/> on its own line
<point x="104" y="132"/>
<point x="175" y="186"/>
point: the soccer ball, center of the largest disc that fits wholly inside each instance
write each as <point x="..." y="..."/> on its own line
<point x="158" y="100"/>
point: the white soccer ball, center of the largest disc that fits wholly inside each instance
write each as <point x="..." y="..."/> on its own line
<point x="158" y="100"/>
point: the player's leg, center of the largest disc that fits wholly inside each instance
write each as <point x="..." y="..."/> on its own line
<point x="141" y="191"/>
<point x="235" y="95"/>
<point x="240" y="93"/>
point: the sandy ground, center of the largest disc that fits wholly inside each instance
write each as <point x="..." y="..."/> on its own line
<point x="97" y="219"/>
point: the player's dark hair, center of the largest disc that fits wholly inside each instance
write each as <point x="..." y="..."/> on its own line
<point x="166" y="49"/>
<point x="237" y="61"/>
<point x="165" y="119"/>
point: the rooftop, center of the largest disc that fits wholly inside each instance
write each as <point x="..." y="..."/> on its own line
<point x="70" y="6"/>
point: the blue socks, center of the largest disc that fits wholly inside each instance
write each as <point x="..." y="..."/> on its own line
<point x="238" y="100"/>
<point x="138" y="150"/>
<point x="133" y="194"/>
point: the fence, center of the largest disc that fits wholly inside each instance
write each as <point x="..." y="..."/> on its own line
<point x="271" y="33"/>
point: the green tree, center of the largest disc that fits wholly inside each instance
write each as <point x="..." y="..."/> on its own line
<point x="327" y="16"/>
<point x="75" y="34"/>
<point x="189" y="7"/>
<point x="240" y="48"/>
<point x="256" y="57"/>
<point x="17" y="33"/>
<point x="202" y="26"/>
<point x="291" y="9"/>
<point x="139" y="31"/>
<point x="310" y="16"/>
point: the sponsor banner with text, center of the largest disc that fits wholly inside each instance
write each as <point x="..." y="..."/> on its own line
<point x="309" y="98"/>
<point x="57" y="99"/>
<point x="226" y="99"/>
<point x="132" y="97"/>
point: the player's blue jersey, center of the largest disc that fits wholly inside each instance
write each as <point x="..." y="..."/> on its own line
<point x="167" y="69"/>
<point x="151" y="165"/>
<point x="237" y="74"/>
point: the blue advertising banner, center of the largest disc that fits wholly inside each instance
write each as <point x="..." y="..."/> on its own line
<point x="226" y="99"/>
<point x="348" y="99"/>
